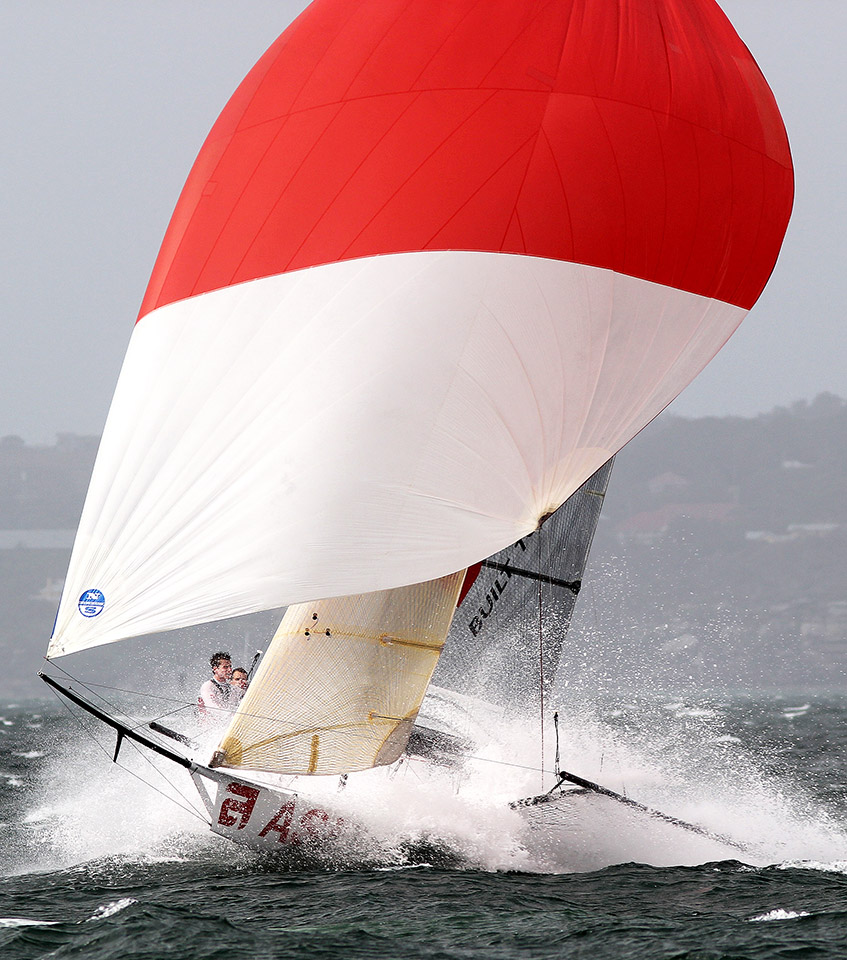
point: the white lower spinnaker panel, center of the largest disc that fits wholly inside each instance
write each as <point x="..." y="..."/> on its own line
<point x="363" y="425"/>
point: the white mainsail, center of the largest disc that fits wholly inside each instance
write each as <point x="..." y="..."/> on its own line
<point x="341" y="683"/>
<point x="508" y="635"/>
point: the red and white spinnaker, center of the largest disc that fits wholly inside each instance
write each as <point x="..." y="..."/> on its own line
<point x="436" y="262"/>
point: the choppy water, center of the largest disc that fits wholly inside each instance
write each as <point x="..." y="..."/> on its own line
<point x="97" y="865"/>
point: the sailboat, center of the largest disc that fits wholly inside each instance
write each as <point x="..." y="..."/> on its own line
<point x="435" y="264"/>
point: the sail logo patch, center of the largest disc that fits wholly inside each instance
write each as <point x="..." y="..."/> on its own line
<point x="91" y="603"/>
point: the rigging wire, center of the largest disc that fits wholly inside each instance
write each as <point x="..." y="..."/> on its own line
<point x="136" y="724"/>
<point x="188" y="807"/>
<point x="541" y="674"/>
<point x="467" y="757"/>
<point x="114" y="706"/>
<point x="556" y="727"/>
<point x="133" y="722"/>
<point x="89" y="685"/>
<point x="146" y="757"/>
<point x="138" y="693"/>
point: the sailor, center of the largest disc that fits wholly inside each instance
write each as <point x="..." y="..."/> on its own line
<point x="238" y="683"/>
<point x="216" y="694"/>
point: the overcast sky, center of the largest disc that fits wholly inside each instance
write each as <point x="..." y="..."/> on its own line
<point x="106" y="103"/>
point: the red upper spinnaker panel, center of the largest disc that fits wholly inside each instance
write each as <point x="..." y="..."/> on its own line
<point x="633" y="135"/>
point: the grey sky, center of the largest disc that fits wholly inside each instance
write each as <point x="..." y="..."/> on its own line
<point x="105" y="105"/>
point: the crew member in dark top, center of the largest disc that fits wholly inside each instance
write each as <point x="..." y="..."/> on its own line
<point x="239" y="683"/>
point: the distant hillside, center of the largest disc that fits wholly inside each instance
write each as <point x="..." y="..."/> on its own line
<point x="722" y="551"/>
<point x="720" y="557"/>
<point x="787" y="466"/>
<point x="44" y="487"/>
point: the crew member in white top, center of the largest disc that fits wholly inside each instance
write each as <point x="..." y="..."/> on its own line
<point x="216" y="695"/>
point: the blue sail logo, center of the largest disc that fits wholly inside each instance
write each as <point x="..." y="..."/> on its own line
<point x="91" y="603"/>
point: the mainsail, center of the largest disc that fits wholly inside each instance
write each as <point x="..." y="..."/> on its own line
<point x="434" y="265"/>
<point x="341" y="683"/>
<point x="506" y="639"/>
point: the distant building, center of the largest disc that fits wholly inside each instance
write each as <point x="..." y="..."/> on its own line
<point x="766" y="536"/>
<point x="795" y="531"/>
<point x="665" y="482"/>
<point x="51" y="592"/>
<point x="654" y="524"/>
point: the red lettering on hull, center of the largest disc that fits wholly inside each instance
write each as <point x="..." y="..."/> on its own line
<point x="280" y="823"/>
<point x="238" y="811"/>
<point x="243" y="805"/>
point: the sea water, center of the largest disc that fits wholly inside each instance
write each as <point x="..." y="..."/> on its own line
<point x="102" y="861"/>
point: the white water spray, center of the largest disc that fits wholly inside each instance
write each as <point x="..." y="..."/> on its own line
<point x="679" y="759"/>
